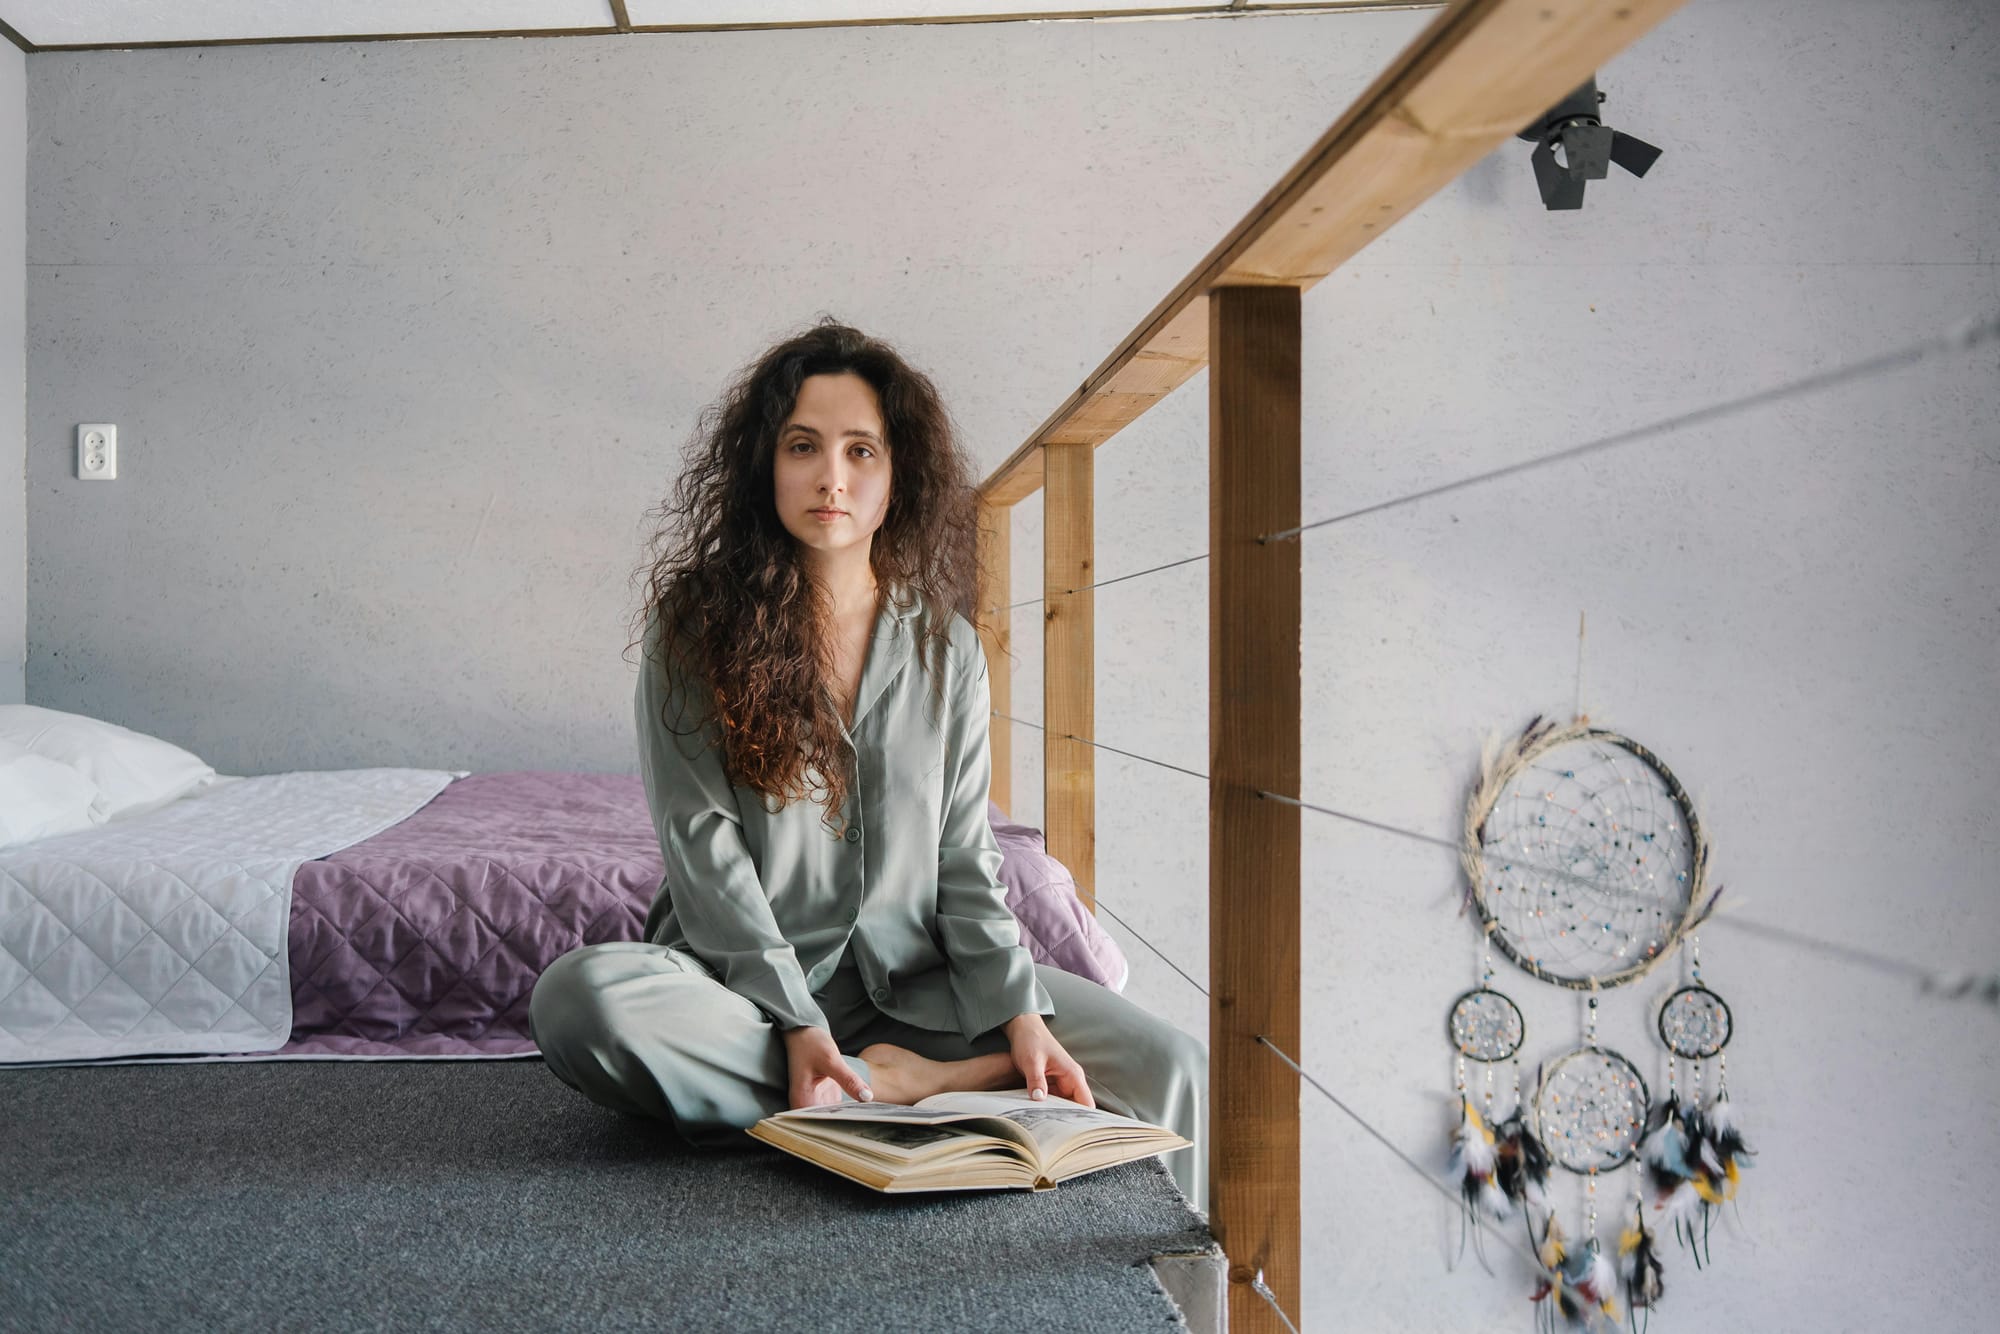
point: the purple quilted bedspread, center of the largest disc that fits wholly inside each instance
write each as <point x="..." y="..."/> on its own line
<point x="426" y="940"/>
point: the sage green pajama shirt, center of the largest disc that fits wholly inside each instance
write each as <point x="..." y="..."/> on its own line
<point x="890" y="927"/>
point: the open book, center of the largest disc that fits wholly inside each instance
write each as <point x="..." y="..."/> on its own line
<point x="964" y="1141"/>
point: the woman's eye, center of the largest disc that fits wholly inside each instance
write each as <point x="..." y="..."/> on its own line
<point x="807" y="444"/>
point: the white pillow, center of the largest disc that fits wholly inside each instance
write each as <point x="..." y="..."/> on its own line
<point x="134" y="773"/>
<point x="40" y="798"/>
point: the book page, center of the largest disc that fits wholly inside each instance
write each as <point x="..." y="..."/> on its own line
<point x="871" y="1111"/>
<point x="899" y="1138"/>
<point x="960" y="1121"/>
<point x="1053" y="1121"/>
<point x="891" y="1156"/>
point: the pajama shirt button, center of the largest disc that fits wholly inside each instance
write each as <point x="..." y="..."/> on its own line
<point x="880" y="993"/>
<point x="853" y="834"/>
<point x="851" y="914"/>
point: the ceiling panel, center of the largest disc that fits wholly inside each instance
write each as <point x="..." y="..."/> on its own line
<point x="644" y="12"/>
<point x="67" y="22"/>
<point x="129" y="22"/>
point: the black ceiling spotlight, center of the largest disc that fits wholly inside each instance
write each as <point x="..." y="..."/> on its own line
<point x="1588" y="148"/>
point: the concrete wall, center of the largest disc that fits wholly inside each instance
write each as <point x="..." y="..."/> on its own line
<point x="13" y="378"/>
<point x="402" y="340"/>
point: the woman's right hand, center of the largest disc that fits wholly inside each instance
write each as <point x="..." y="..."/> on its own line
<point x="818" y="1071"/>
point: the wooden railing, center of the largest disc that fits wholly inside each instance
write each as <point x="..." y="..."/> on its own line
<point x="1479" y="74"/>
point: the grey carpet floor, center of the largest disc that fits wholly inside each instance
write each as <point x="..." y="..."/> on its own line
<point x="475" y="1195"/>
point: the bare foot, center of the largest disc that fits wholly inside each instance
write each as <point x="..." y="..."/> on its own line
<point x="897" y="1074"/>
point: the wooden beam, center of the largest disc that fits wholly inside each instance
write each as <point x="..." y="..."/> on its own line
<point x="1069" y="666"/>
<point x="1016" y="480"/>
<point x="1482" y="71"/>
<point x="1253" y="848"/>
<point x="995" y="624"/>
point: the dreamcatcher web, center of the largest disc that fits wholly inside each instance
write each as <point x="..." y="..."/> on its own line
<point x="1695" y="1023"/>
<point x="1486" y="1026"/>
<point x="1590" y="1109"/>
<point x="1588" y="859"/>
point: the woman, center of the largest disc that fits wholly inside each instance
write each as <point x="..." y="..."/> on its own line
<point x="813" y="736"/>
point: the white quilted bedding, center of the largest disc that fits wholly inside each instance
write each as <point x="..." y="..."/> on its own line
<point x="167" y="932"/>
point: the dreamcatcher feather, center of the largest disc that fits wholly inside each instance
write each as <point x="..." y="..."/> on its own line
<point x="1694" y="1158"/>
<point x="1473" y="1159"/>
<point x="1641" y="1276"/>
<point x="1499" y="1168"/>
<point x="1578" y="1284"/>
<point x="1521" y="1167"/>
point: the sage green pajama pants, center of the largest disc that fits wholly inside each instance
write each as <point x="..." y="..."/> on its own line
<point x="652" y="1031"/>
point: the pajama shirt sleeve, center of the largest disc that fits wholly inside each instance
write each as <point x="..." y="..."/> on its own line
<point x="992" y="974"/>
<point x="716" y="893"/>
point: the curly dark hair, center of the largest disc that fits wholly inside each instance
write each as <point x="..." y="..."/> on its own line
<point x="748" y="621"/>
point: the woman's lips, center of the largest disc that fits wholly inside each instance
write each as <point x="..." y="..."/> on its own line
<point x="829" y="514"/>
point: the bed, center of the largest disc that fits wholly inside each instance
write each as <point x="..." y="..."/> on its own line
<point x="159" y="911"/>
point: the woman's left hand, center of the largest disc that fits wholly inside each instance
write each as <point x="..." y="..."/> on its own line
<point x="1043" y="1062"/>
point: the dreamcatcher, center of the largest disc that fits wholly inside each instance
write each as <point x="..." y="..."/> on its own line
<point x="1694" y="1151"/>
<point x="1585" y="862"/>
<point x="1590" y="1109"/>
<point x="1498" y="1165"/>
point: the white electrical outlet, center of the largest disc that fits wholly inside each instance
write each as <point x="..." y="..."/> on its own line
<point x="97" y="452"/>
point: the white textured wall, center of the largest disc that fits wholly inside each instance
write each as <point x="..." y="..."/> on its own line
<point x="13" y="374"/>
<point x="403" y="338"/>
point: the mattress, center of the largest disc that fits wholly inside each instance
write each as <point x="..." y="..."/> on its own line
<point x="417" y="912"/>
<point x="168" y="933"/>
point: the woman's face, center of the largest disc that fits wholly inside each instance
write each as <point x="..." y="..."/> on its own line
<point x="831" y="456"/>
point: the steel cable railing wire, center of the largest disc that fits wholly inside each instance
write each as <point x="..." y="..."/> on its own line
<point x="1353" y="1115"/>
<point x="1257" y="1285"/>
<point x="1961" y="337"/>
<point x="1953" y="984"/>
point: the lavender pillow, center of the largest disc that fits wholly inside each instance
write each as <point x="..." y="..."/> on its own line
<point x="1055" y="926"/>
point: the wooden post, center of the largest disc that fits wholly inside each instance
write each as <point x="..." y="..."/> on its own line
<point x="996" y="631"/>
<point x="1069" y="666"/>
<point x="1253" y="859"/>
